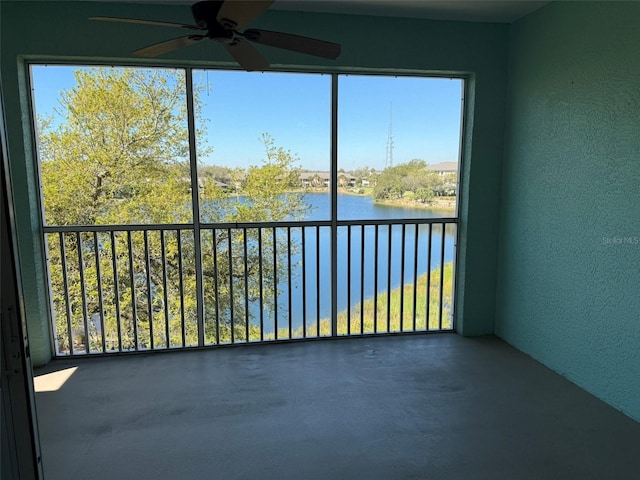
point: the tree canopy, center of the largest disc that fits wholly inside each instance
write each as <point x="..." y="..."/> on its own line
<point x="119" y="154"/>
<point x="413" y="176"/>
<point x="120" y="148"/>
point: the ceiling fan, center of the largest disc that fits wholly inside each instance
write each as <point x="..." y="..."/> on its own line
<point x="221" y="22"/>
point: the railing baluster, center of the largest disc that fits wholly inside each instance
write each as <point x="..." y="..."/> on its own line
<point x="303" y="231"/>
<point x="390" y="227"/>
<point x="317" y="281"/>
<point x="454" y="260"/>
<point x="231" y="299"/>
<point x="362" y="281"/>
<point x="165" y="294"/>
<point x="246" y="289"/>
<point x="349" y="280"/>
<point x="261" y="293"/>
<point x="375" y="281"/>
<point x="402" y="260"/>
<point x="216" y="291"/>
<point x="100" y="296"/>
<point x="116" y="289"/>
<point x="415" y="276"/>
<point x="134" y="307"/>
<point x="289" y="276"/>
<point x="441" y="275"/>
<point x="428" y="297"/>
<point x="85" y="314"/>
<point x="183" y="327"/>
<point x="147" y="262"/>
<point x="65" y="283"/>
<point x="275" y="286"/>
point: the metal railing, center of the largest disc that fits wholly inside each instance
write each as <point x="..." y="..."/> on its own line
<point x="118" y="288"/>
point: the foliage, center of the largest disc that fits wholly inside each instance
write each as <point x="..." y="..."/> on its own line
<point x="446" y="185"/>
<point x="343" y="180"/>
<point x="414" y="177"/>
<point x="384" y="314"/>
<point x="363" y="173"/>
<point x="119" y="155"/>
<point x="121" y="126"/>
<point x="427" y="299"/>
<point x="215" y="173"/>
<point x="424" y="194"/>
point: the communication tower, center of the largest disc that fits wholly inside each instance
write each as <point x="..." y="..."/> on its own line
<point x="388" y="161"/>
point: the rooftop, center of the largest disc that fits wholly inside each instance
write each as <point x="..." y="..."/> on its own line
<point x="444" y="167"/>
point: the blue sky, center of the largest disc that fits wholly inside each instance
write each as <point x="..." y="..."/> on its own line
<point x="295" y="110"/>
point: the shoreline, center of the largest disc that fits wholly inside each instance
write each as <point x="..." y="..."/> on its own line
<point x="439" y="203"/>
<point x="435" y="205"/>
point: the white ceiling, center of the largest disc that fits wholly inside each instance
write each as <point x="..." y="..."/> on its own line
<point x="502" y="11"/>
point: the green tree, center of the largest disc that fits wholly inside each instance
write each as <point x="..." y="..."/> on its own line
<point x="412" y="176"/>
<point x="343" y="180"/>
<point x="215" y="173"/>
<point x="424" y="194"/>
<point x="118" y="154"/>
<point x="363" y="173"/>
<point x="120" y="126"/>
<point x="388" y="184"/>
<point x="445" y="184"/>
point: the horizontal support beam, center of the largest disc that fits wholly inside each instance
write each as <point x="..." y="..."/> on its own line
<point x="226" y="225"/>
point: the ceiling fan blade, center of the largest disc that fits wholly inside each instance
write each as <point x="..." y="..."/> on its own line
<point x="295" y="43"/>
<point x="241" y="12"/>
<point x="246" y="55"/>
<point x="168" y="46"/>
<point x="146" y="22"/>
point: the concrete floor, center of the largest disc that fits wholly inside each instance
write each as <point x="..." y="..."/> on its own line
<point x="419" y="407"/>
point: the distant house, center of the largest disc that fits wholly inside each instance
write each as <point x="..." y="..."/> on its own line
<point x="315" y="179"/>
<point x="446" y="186"/>
<point x="202" y="181"/>
<point x="187" y="181"/>
<point x="318" y="179"/>
<point x="444" y="168"/>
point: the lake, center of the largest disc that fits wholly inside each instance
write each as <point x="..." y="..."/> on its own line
<point x="352" y="207"/>
<point x="360" y="207"/>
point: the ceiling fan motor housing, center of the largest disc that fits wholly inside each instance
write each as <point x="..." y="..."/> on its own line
<point x="205" y="15"/>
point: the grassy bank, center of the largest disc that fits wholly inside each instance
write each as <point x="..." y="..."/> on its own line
<point x="385" y="316"/>
<point x="438" y="203"/>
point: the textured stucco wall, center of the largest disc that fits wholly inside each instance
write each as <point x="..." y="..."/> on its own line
<point x="569" y="261"/>
<point x="60" y="31"/>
